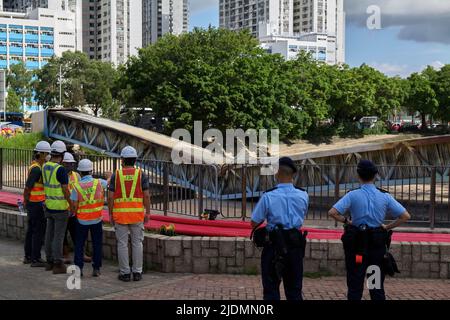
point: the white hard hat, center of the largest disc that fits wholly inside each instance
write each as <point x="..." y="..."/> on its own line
<point x="85" y="165"/>
<point x="68" y="158"/>
<point x="43" y="146"/>
<point x="128" y="152"/>
<point x="58" y="147"/>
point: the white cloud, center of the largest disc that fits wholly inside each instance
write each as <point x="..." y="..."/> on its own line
<point x="403" y="70"/>
<point x="421" y="21"/>
<point x="392" y="69"/>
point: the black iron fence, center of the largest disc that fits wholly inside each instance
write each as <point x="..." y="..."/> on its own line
<point x="232" y="191"/>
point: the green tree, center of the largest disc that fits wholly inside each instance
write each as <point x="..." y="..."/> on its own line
<point x="86" y="83"/>
<point x="73" y="66"/>
<point x="100" y="78"/>
<point x="442" y="88"/>
<point x="18" y="79"/>
<point x="421" y="96"/>
<point x="13" y="103"/>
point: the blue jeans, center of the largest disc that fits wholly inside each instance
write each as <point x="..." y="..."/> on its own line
<point x="81" y="232"/>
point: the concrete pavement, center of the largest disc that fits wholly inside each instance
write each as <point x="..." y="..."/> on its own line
<point x="19" y="281"/>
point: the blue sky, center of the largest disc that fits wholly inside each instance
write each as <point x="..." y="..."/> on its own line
<point x="413" y="34"/>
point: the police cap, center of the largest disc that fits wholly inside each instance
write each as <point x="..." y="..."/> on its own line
<point x="367" y="167"/>
<point x="287" y="162"/>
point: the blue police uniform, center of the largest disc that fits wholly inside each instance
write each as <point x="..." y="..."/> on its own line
<point x="368" y="207"/>
<point x="285" y="206"/>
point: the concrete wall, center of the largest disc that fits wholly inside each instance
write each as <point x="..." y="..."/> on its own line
<point x="238" y="255"/>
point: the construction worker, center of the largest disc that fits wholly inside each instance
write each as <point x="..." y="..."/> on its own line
<point x="57" y="203"/>
<point x="70" y="164"/>
<point x="88" y="200"/>
<point x="366" y="237"/>
<point x="33" y="201"/>
<point x="128" y="200"/>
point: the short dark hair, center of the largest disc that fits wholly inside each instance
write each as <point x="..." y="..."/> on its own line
<point x="366" y="175"/>
<point x="129" y="162"/>
<point x="285" y="170"/>
<point x="85" y="173"/>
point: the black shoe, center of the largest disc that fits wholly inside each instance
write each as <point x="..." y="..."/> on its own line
<point x="38" y="264"/>
<point x="125" y="277"/>
<point x="96" y="273"/>
<point x="26" y="260"/>
<point x="49" y="266"/>
<point x="137" y="276"/>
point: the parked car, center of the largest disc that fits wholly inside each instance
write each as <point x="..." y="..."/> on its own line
<point x="409" y="127"/>
<point x="367" y="122"/>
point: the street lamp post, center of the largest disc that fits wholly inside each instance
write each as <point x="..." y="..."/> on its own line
<point x="60" y="86"/>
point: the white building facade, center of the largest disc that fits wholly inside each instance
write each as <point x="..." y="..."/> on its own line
<point x="107" y="30"/>
<point x="283" y="25"/>
<point x="112" y="29"/>
<point x="36" y="36"/>
<point x="160" y="17"/>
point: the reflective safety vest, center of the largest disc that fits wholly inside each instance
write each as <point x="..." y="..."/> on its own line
<point x="54" y="195"/>
<point x="74" y="177"/>
<point x="37" y="193"/>
<point x="90" y="200"/>
<point x="128" y="205"/>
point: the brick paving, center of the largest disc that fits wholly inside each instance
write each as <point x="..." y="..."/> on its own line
<point x="239" y="287"/>
<point x="19" y="281"/>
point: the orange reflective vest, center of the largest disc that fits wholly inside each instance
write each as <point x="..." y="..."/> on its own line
<point x="37" y="192"/>
<point x="128" y="205"/>
<point x="74" y="177"/>
<point x="90" y="200"/>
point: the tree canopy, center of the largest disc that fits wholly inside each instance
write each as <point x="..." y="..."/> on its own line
<point x="85" y="83"/>
<point x="226" y="80"/>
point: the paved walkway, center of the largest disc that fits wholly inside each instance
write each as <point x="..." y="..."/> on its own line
<point x="18" y="281"/>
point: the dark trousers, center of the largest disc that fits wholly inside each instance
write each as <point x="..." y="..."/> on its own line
<point x="292" y="275"/>
<point x="71" y="226"/>
<point x="54" y="235"/>
<point x="34" y="238"/>
<point x="81" y="236"/>
<point x="357" y="272"/>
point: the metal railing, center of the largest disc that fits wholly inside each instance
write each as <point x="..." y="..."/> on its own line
<point x="233" y="190"/>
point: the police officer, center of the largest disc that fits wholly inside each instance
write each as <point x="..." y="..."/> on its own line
<point x="284" y="208"/>
<point x="33" y="200"/>
<point x="365" y="235"/>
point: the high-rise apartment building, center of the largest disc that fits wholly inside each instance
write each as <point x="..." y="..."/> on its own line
<point x="285" y="21"/>
<point x="160" y="17"/>
<point x="112" y="29"/>
<point x="107" y="30"/>
<point x="248" y="14"/>
<point x="322" y="17"/>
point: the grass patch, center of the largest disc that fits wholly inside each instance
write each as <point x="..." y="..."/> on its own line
<point x="22" y="141"/>
<point x="17" y="150"/>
